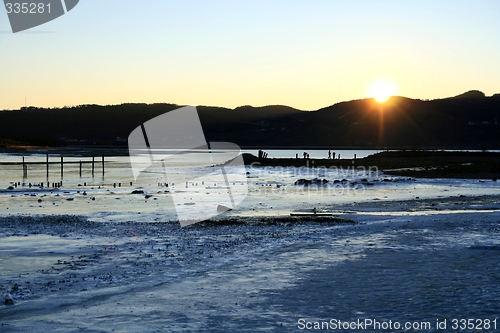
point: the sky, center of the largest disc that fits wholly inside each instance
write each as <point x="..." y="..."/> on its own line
<point x="305" y="54"/>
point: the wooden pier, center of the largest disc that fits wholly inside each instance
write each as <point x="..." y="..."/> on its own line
<point x="91" y="160"/>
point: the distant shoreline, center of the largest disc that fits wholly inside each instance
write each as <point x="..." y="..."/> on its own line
<point x="110" y="151"/>
<point x="409" y="163"/>
<point x="421" y="164"/>
<point x="122" y="150"/>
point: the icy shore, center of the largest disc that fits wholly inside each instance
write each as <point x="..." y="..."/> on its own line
<point x="406" y="260"/>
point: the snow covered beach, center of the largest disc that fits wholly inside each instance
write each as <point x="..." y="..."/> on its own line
<point x="416" y="250"/>
<point x="74" y="275"/>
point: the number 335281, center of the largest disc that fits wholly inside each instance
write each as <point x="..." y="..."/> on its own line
<point x="27" y="8"/>
<point x="477" y="324"/>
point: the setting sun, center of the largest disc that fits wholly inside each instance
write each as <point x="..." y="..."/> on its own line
<point x="382" y="90"/>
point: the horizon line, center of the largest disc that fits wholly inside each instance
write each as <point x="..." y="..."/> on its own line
<point x="248" y="105"/>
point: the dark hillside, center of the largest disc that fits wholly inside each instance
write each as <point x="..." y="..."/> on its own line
<point x="468" y="121"/>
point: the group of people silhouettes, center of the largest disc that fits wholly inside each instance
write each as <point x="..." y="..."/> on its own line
<point x="305" y="154"/>
<point x="331" y="155"/>
<point x="262" y="154"/>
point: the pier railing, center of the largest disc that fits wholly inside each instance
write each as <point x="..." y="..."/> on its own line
<point x="89" y="160"/>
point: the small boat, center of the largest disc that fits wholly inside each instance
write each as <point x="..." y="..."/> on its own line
<point x="311" y="214"/>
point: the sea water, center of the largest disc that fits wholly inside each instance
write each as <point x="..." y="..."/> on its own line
<point x="271" y="190"/>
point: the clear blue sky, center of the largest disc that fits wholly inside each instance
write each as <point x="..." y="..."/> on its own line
<point x="306" y="54"/>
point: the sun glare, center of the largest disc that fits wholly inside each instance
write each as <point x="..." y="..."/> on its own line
<point x="382" y="90"/>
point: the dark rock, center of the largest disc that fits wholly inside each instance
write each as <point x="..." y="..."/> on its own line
<point x="137" y="192"/>
<point x="302" y="182"/>
<point x="307" y="182"/>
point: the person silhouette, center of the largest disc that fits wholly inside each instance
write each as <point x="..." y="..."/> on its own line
<point x="329" y="154"/>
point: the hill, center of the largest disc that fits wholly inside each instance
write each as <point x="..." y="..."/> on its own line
<point x="467" y="121"/>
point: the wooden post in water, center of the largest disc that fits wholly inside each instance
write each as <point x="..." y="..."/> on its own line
<point x="25" y="169"/>
<point x="80" y="168"/>
<point x="103" y="165"/>
<point x="92" y="165"/>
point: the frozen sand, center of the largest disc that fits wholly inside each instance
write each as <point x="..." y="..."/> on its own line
<point x="158" y="277"/>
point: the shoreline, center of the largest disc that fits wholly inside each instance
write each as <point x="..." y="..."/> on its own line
<point x="418" y="164"/>
<point x="110" y="151"/>
<point x="404" y="163"/>
<point x="341" y="213"/>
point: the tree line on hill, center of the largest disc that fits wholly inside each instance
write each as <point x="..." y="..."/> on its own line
<point x="467" y="121"/>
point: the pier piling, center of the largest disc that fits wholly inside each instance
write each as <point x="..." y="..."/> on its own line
<point x="45" y="163"/>
<point x="25" y="169"/>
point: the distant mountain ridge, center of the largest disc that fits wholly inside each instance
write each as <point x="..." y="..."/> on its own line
<point x="467" y="121"/>
<point x="471" y="94"/>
